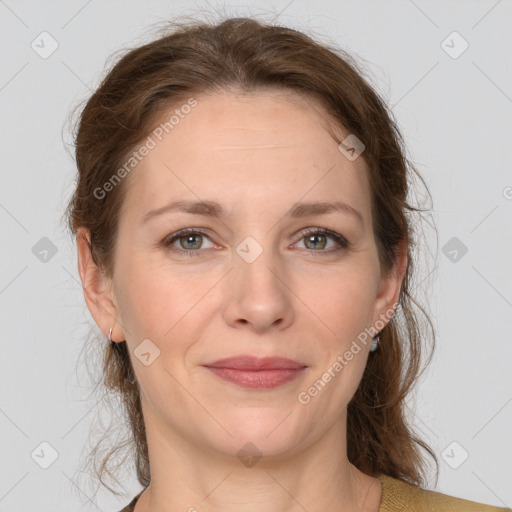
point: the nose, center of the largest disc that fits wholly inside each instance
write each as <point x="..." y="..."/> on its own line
<point x="258" y="294"/>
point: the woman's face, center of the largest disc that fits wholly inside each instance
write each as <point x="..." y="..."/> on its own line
<point x="256" y="279"/>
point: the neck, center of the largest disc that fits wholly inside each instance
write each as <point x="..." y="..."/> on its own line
<point x="319" y="477"/>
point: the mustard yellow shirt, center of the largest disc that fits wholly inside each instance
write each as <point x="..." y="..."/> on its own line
<point x="398" y="496"/>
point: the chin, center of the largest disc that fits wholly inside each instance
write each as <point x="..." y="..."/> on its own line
<point x="255" y="434"/>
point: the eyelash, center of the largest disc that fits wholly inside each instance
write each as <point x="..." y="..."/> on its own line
<point x="342" y="242"/>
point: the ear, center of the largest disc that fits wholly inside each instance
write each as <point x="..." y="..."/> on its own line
<point x="389" y="288"/>
<point x="97" y="289"/>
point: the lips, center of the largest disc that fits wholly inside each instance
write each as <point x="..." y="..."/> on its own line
<point x="251" y="363"/>
<point x="257" y="373"/>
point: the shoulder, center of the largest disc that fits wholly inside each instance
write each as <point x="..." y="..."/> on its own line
<point x="399" y="496"/>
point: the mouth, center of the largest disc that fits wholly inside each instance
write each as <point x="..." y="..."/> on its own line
<point x="257" y="373"/>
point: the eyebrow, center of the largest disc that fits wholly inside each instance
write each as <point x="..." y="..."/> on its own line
<point x="214" y="209"/>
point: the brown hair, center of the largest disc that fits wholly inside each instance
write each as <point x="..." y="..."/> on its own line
<point x="246" y="55"/>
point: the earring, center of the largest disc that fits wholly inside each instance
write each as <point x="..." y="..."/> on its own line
<point x="110" y="335"/>
<point x="374" y="344"/>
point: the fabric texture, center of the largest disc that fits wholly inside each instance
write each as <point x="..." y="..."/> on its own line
<point x="399" y="496"/>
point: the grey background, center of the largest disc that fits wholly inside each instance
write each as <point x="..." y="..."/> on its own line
<point x="455" y="116"/>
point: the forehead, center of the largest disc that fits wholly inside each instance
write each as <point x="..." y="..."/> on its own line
<point x="256" y="146"/>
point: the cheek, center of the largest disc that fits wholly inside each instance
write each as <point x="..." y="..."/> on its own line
<point x="158" y="303"/>
<point x="347" y="313"/>
<point x="145" y="299"/>
<point x="343" y="303"/>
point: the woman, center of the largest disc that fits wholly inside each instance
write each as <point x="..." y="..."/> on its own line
<point x="243" y="242"/>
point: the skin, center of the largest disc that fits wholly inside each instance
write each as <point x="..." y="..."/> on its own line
<point x="257" y="154"/>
